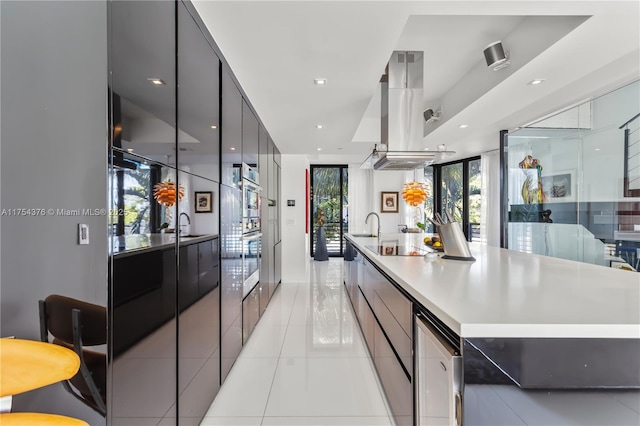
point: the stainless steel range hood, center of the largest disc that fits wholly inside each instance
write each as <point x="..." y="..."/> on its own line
<point x="401" y="126"/>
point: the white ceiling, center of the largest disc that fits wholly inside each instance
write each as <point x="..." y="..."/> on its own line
<point x="276" y="49"/>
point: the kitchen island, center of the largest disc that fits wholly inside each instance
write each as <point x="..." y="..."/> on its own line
<point x="520" y="323"/>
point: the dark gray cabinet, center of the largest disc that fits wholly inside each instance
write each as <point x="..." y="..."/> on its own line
<point x="250" y="312"/>
<point x="249" y="136"/>
<point x="277" y="259"/>
<point x="263" y="157"/>
<point x="230" y="277"/>
<point x="231" y="143"/>
<point x="188" y="276"/>
<point x="208" y="272"/>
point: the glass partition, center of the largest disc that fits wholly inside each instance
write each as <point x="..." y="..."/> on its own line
<point x="566" y="183"/>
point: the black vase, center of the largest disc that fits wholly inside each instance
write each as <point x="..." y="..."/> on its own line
<point x="321" y="253"/>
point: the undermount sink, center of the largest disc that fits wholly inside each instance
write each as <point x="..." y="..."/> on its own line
<point x="364" y="235"/>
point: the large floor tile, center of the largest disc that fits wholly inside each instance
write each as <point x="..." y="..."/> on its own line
<point x="231" y="421"/>
<point x="246" y="388"/>
<point x="327" y="421"/>
<point x="318" y="341"/>
<point x="265" y="341"/>
<point x="135" y="421"/>
<point x="325" y="387"/>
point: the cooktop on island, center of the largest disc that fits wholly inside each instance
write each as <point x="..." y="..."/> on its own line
<point x="397" y="250"/>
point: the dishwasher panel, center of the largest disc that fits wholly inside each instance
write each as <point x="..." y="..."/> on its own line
<point x="438" y="377"/>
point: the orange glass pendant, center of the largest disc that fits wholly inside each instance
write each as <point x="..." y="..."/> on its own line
<point x="414" y="193"/>
<point x="166" y="194"/>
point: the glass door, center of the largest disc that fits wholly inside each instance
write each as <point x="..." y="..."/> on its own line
<point x="329" y="195"/>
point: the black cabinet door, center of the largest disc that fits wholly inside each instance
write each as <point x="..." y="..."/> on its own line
<point x="263" y="157"/>
<point x="207" y="266"/>
<point x="264" y="296"/>
<point x="188" y="277"/>
<point x="230" y="277"/>
<point x="231" y="143"/>
<point x="249" y="136"/>
<point x="250" y="313"/>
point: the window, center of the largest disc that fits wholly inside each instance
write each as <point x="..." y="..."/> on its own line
<point x="455" y="190"/>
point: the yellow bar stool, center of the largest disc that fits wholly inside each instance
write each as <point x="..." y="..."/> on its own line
<point x="26" y="365"/>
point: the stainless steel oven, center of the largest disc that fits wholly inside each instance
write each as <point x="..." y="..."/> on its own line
<point x="438" y="376"/>
<point x="250" y="200"/>
<point x="251" y="234"/>
<point x="251" y="257"/>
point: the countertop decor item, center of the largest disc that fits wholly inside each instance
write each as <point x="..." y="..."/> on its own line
<point x="320" y="253"/>
<point x="532" y="191"/>
<point x="166" y="193"/>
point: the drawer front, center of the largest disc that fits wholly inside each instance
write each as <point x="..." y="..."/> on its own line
<point x="367" y="322"/>
<point x="399" y="306"/>
<point x="399" y="339"/>
<point x="397" y="386"/>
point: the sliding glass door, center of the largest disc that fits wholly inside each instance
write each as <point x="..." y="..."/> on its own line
<point x="329" y="193"/>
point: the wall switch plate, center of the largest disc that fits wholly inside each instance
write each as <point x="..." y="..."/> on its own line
<point x="291" y="203"/>
<point x="83" y="234"/>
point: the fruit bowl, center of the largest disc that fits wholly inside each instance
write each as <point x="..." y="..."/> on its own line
<point x="434" y="243"/>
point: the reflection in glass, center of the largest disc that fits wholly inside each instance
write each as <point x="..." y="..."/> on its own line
<point x="475" y="199"/>
<point x="452" y="191"/>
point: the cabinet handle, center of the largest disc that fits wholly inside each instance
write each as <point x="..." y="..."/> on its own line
<point x="443" y="366"/>
<point x="458" y="399"/>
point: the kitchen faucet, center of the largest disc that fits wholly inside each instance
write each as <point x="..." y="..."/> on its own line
<point x="180" y="217"/>
<point x="376" y="215"/>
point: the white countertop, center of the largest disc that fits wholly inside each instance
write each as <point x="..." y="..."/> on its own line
<point x="125" y="245"/>
<point x="506" y="293"/>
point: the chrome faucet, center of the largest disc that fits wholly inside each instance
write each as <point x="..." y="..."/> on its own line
<point x="376" y="215"/>
<point x="180" y="217"/>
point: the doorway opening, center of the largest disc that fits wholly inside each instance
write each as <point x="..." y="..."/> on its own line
<point x="329" y="194"/>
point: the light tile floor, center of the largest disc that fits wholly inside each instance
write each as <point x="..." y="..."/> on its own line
<point x="305" y="363"/>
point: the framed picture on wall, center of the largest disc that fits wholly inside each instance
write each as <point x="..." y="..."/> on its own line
<point x="204" y="201"/>
<point x="389" y="202"/>
<point x="560" y="187"/>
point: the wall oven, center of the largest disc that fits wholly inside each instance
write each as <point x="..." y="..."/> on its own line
<point x="251" y="233"/>
<point x="250" y="200"/>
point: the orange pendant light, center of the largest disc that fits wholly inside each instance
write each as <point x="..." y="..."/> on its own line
<point x="414" y="193"/>
<point x="165" y="193"/>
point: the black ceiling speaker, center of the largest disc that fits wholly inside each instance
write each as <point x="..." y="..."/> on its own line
<point x="495" y="56"/>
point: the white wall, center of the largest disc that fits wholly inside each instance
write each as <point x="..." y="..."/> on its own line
<point x="295" y="242"/>
<point x="53" y="155"/>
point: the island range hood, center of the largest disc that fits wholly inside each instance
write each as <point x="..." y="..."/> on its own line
<point x="401" y="121"/>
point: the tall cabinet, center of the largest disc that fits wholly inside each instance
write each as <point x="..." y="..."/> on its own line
<point x="178" y="119"/>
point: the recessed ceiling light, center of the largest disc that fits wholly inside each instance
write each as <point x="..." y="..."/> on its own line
<point x="320" y="81"/>
<point x="318" y="149"/>
<point x="463" y="126"/>
<point x="213" y="126"/>
<point x="319" y="126"/>
<point x="597" y="149"/>
<point x="232" y="149"/>
<point x="426" y="149"/>
<point x="156" y="81"/>
<point x="536" y="81"/>
<point x="129" y="149"/>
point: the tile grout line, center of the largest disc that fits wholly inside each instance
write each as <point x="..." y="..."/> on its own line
<point x="275" y="371"/>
